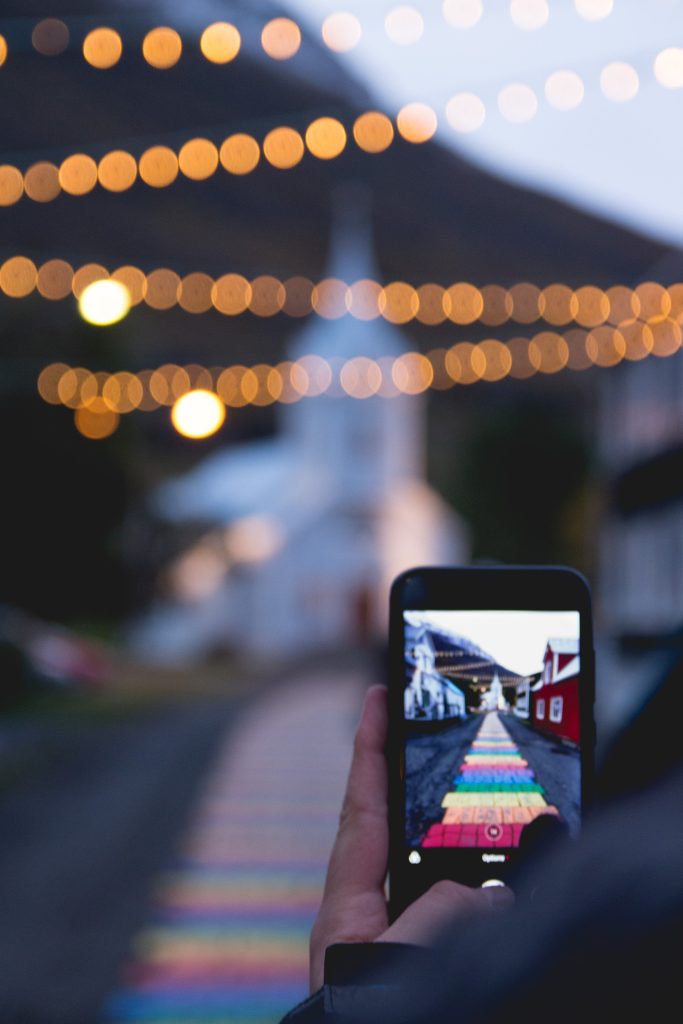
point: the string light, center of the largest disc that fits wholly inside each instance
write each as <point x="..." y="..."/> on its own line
<point x="399" y="302"/>
<point x="341" y="31"/>
<point x="326" y="137"/>
<point x="207" y="392"/>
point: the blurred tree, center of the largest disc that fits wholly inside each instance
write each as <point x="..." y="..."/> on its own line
<point x="521" y="482"/>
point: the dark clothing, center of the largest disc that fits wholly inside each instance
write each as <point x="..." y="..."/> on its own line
<point x="597" y="930"/>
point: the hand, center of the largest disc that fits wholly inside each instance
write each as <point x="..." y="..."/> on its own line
<point x="353" y="907"/>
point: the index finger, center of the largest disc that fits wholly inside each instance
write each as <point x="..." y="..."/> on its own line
<point x="358" y="862"/>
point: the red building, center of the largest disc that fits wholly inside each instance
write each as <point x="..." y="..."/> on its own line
<point x="555" y="698"/>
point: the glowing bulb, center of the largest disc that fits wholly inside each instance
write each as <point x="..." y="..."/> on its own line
<point x="462" y="13"/>
<point x="198" y="414"/>
<point x="529" y="14"/>
<point x="619" y="82"/>
<point x="593" y="10"/>
<point x="465" y="112"/>
<point x="341" y="31"/>
<point x="404" y="25"/>
<point x="669" y="68"/>
<point x="104" y="302"/>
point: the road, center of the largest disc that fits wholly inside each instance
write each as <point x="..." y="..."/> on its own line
<point x="84" y="833"/>
<point x="169" y="865"/>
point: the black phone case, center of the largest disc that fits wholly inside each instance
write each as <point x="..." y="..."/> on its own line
<point x="500" y="588"/>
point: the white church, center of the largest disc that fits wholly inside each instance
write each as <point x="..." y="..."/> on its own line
<point x="305" y="530"/>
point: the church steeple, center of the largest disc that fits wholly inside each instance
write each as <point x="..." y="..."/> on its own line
<point x="365" y="445"/>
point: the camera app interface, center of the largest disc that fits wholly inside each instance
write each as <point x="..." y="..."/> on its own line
<point x="492" y="727"/>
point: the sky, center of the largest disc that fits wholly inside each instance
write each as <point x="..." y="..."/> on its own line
<point x="516" y="639"/>
<point x="619" y="159"/>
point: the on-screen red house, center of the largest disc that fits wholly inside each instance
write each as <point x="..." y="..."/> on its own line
<point x="555" y="698"/>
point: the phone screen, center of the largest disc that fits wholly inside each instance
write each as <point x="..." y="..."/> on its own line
<point x="492" y="730"/>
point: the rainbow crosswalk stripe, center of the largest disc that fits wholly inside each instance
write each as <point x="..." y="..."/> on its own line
<point x="227" y="938"/>
<point x="495" y="794"/>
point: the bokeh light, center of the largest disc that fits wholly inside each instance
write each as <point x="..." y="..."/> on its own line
<point x="666" y="335"/>
<point x="298" y="292"/>
<point x="605" y="346"/>
<point x="122" y="392"/>
<point x="462" y="13"/>
<point x="41" y="182"/>
<point x="18" y="277"/>
<point x="364" y="299"/>
<point x="430" y="304"/>
<point x="198" y="159"/>
<point x="231" y="294"/>
<point x="11" y="185"/>
<point x="577" y="354"/>
<point x="463" y="303"/>
<point x="283" y="148"/>
<point x="48" y="382"/>
<point x="195" y="293"/>
<point x="326" y="138"/>
<point x="529" y="14"/>
<point x="623" y="304"/>
<point x="162" y="47"/>
<point x="521" y="367"/>
<point x="104" y="302"/>
<point x="619" y="82"/>
<point x="360" y="377"/>
<point x="398" y="302"/>
<point x="594" y="10"/>
<point x="593" y="306"/>
<point x="134" y="280"/>
<point x="158" y="166"/>
<point x="54" y="279"/>
<point x="557" y="304"/>
<point x="517" y="103"/>
<point x="525" y="302"/>
<point x="102" y="48"/>
<point x="228" y="386"/>
<point x="548" y="352"/>
<point x="319" y="374"/>
<point x="95" y="420"/>
<point x="85" y="275"/>
<point x="198" y="414"/>
<point x="117" y="171"/>
<point x="465" y="364"/>
<point x="465" y="112"/>
<point x="653" y="300"/>
<point x="341" y="31"/>
<point x="281" y="38"/>
<point x="668" y="67"/>
<point x="416" y="122"/>
<point x="50" y="37"/>
<point x="220" y="43"/>
<point x="497" y="359"/>
<point x="373" y="132"/>
<point x="78" y="174"/>
<point x="163" y="288"/>
<point x="412" y="373"/>
<point x="3" y="50"/>
<point x="239" y="153"/>
<point x="404" y="25"/>
<point x="638" y="339"/>
<point x="330" y="298"/>
<point x="497" y="305"/>
<point x="267" y="295"/>
<point x="564" y="90"/>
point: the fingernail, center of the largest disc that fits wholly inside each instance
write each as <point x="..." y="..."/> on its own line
<point x="499" y="896"/>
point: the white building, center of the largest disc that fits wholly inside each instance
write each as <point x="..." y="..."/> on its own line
<point x="305" y="531"/>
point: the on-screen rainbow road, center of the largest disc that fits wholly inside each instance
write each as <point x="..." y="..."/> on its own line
<point x="495" y="794"/>
<point x="227" y="938"/>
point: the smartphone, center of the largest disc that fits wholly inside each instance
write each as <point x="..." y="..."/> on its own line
<point x="491" y="731"/>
